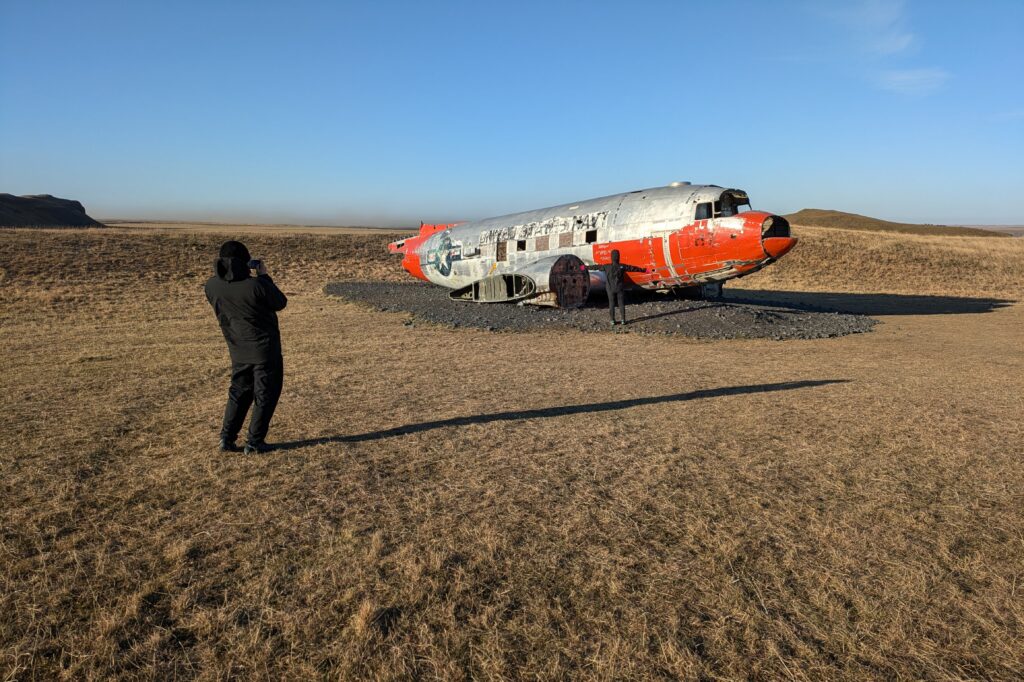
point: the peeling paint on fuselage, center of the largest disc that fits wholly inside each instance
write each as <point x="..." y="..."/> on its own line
<point x="546" y="227"/>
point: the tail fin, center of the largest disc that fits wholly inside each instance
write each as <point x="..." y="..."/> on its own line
<point x="403" y="245"/>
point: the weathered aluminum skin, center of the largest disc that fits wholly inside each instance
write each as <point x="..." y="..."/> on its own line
<point x="654" y="228"/>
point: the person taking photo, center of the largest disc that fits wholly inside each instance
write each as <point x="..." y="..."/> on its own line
<point x="246" y="308"/>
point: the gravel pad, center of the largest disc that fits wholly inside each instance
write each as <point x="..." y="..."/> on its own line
<point x="648" y="313"/>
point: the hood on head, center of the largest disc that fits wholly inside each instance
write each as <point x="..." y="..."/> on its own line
<point x="615" y="255"/>
<point x="234" y="249"/>
<point x="231" y="269"/>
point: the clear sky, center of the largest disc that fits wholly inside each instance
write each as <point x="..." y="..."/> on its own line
<point x="392" y="112"/>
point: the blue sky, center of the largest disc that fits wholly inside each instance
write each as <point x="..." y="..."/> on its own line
<point x="393" y="112"/>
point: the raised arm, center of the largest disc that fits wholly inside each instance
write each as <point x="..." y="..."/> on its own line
<point x="275" y="297"/>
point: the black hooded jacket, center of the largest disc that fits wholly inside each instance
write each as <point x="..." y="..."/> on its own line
<point x="614" y="273"/>
<point x="246" y="308"/>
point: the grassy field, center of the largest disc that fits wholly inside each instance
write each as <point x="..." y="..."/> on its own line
<point x="456" y="504"/>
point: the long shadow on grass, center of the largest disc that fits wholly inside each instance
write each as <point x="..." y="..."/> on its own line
<point x="866" y="304"/>
<point x="562" y="411"/>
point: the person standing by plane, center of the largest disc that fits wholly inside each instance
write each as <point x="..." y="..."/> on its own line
<point x="246" y="308"/>
<point x="614" y="276"/>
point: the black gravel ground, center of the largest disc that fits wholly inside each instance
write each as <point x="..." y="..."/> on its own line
<point x="648" y="313"/>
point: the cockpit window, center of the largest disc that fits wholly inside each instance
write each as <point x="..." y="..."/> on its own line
<point x="730" y="204"/>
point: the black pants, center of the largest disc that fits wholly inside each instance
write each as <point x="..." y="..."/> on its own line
<point x="252" y="383"/>
<point x="617" y="297"/>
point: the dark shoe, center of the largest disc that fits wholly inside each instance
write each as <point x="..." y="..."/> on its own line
<point x="257" y="448"/>
<point x="228" y="445"/>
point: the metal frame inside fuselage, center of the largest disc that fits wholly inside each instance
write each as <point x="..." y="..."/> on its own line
<point x="653" y="229"/>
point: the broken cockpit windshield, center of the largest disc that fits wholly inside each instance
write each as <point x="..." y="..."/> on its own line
<point x="731" y="203"/>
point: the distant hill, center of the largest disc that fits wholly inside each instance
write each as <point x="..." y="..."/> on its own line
<point x="851" y="221"/>
<point x="43" y="210"/>
<point x="1012" y="230"/>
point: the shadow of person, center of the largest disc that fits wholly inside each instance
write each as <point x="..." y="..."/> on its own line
<point x="866" y="304"/>
<point x="558" y="411"/>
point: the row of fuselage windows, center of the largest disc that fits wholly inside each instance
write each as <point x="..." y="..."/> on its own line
<point x="704" y="211"/>
<point x="562" y="240"/>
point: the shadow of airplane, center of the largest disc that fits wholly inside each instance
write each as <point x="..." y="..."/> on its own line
<point x="561" y="411"/>
<point x="678" y="311"/>
<point x="866" y="304"/>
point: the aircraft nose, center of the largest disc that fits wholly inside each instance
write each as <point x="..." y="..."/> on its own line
<point x="777" y="247"/>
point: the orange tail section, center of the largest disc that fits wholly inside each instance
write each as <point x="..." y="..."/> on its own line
<point x="409" y="246"/>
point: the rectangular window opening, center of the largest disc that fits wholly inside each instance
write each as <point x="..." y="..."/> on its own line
<point x="591" y="236"/>
<point x="520" y="245"/>
<point x="703" y="211"/>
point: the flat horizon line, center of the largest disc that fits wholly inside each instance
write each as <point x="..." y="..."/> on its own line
<point x="233" y="223"/>
<point x="109" y="221"/>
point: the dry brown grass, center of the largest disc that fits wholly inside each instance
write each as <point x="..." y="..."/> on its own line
<point x="864" y="529"/>
<point x="267" y="229"/>
<point x="829" y="259"/>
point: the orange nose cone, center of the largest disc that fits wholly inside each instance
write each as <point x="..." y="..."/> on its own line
<point x="777" y="247"/>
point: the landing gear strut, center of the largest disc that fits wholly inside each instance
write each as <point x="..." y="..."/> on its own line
<point x="711" y="291"/>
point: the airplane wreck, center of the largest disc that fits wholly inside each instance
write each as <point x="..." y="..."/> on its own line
<point x="689" y="239"/>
